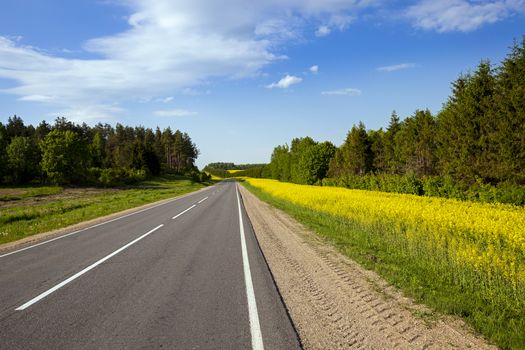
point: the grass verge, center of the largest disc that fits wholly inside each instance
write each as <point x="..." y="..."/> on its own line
<point x="27" y="219"/>
<point x="500" y="316"/>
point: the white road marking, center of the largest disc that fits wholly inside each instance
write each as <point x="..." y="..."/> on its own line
<point x="88" y="228"/>
<point x="190" y="208"/>
<point x="78" y="274"/>
<point x="255" y="328"/>
<point x="202" y="200"/>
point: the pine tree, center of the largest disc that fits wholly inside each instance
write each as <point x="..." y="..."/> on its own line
<point x="510" y="113"/>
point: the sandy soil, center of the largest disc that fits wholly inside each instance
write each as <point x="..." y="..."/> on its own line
<point x="335" y="303"/>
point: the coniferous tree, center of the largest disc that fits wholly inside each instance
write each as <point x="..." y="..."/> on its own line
<point x="355" y="155"/>
<point x="417" y="145"/>
<point x="391" y="154"/>
<point x="510" y="115"/>
<point x="467" y="127"/>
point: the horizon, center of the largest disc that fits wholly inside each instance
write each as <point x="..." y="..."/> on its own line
<point x="250" y="78"/>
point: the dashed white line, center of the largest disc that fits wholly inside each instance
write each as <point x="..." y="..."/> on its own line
<point x="78" y="274"/>
<point x="202" y="200"/>
<point x="255" y="328"/>
<point x="185" y="211"/>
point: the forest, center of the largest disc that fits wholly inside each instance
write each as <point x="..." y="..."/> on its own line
<point x="102" y="155"/>
<point x="474" y="148"/>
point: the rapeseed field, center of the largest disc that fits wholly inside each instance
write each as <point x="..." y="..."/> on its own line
<point x="477" y="248"/>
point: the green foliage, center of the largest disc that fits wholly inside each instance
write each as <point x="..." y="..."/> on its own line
<point x="509" y="103"/>
<point x="437" y="186"/>
<point x="315" y="162"/>
<point x="248" y="170"/>
<point x="281" y="163"/>
<point x="3" y="151"/>
<point x="355" y="156"/>
<point x="233" y="166"/>
<point x="415" y="143"/>
<point x="101" y="155"/>
<point x="305" y="162"/>
<point x="21" y="159"/>
<point x="473" y="149"/>
<point x="64" y="157"/>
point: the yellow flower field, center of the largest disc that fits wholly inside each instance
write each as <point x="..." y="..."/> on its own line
<point x="489" y="238"/>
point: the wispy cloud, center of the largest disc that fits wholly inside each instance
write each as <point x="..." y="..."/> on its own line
<point x="323" y="31"/>
<point x="166" y="99"/>
<point x="174" y="113"/>
<point x="206" y="41"/>
<point x="461" y="15"/>
<point x="285" y="82"/>
<point x="314" y="69"/>
<point x="396" y="67"/>
<point x="343" y="92"/>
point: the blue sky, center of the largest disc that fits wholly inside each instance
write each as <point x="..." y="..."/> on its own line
<point x="240" y="76"/>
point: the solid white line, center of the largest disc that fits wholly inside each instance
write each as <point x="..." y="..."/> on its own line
<point x="255" y="328"/>
<point x="88" y="228"/>
<point x="78" y="274"/>
<point x="190" y="208"/>
<point x="202" y="200"/>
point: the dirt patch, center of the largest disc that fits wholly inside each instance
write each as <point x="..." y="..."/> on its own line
<point x="66" y="193"/>
<point x="335" y="303"/>
<point x="11" y="192"/>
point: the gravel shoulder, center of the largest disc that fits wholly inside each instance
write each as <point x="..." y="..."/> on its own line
<point x="335" y="303"/>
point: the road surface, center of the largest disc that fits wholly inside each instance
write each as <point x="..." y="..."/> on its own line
<point x="187" y="274"/>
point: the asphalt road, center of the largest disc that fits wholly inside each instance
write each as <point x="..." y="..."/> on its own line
<point x="167" y="277"/>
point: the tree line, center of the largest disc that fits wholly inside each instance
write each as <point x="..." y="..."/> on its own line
<point x="232" y="166"/>
<point x="220" y="169"/>
<point x="69" y="153"/>
<point x="474" y="148"/>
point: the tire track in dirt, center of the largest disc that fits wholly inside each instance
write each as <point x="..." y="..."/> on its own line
<point x="335" y="303"/>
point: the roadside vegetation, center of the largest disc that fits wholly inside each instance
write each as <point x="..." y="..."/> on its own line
<point x="458" y="257"/>
<point x="228" y="170"/>
<point x="56" y="175"/>
<point x="434" y="203"/>
<point x="41" y="209"/>
<point x="76" y="155"/>
<point x="473" y="149"/>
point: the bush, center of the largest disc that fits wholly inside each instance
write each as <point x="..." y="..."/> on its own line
<point x="435" y="186"/>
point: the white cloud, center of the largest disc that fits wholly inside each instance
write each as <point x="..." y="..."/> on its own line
<point x="166" y="99"/>
<point x="36" y="98"/>
<point x="169" y="46"/>
<point x="343" y="92"/>
<point x="323" y="31"/>
<point x="174" y="113"/>
<point x="461" y="15"/>
<point x="314" y="69"/>
<point x="396" y="67"/>
<point x="285" y="82"/>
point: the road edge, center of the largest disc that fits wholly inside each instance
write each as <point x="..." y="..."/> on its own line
<point x="37" y="238"/>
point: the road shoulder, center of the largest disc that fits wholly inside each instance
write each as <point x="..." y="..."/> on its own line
<point x="87" y="224"/>
<point x="335" y="303"/>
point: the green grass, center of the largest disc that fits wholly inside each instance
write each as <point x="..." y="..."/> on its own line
<point x="18" y="193"/>
<point x="23" y="220"/>
<point x="499" y="316"/>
